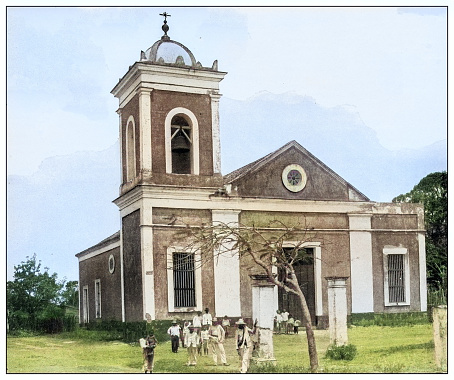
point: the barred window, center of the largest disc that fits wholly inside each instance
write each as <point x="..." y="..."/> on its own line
<point x="183" y="280"/>
<point x="396" y="278"/>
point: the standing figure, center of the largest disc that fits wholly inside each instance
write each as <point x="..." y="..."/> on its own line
<point x="244" y="344"/>
<point x="296" y="325"/>
<point x="284" y="315"/>
<point x="226" y="325"/>
<point x="148" y="345"/>
<point x="185" y="331"/>
<point x="191" y="341"/>
<point x="278" y="320"/>
<point x="204" y="338"/>
<point x="216" y="338"/>
<point x="197" y="322"/>
<point x="174" y="332"/>
<point x="206" y="318"/>
<point x="290" y="323"/>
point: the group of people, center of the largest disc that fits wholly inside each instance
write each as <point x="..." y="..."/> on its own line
<point x="206" y="333"/>
<point x="284" y="322"/>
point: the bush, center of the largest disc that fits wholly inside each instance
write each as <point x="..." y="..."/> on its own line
<point x="130" y="332"/>
<point x="345" y="352"/>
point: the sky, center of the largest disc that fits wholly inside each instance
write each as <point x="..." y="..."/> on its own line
<point x="389" y="64"/>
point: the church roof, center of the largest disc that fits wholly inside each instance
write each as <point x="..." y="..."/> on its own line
<point x="103" y="243"/>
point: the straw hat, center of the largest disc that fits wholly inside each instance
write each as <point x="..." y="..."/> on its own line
<point x="240" y="322"/>
<point x="214" y="319"/>
<point x="174" y="322"/>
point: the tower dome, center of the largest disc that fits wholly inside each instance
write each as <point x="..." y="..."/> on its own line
<point x="168" y="52"/>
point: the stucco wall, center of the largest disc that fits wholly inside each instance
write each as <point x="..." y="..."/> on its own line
<point x="130" y="109"/>
<point x="267" y="182"/>
<point x="409" y="241"/>
<point x="164" y="237"/>
<point x="97" y="267"/>
<point x="162" y="102"/>
<point x="132" y="262"/>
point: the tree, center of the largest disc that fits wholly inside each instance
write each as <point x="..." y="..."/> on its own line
<point x="70" y="294"/>
<point x="266" y="247"/>
<point x="33" y="295"/>
<point x="432" y="192"/>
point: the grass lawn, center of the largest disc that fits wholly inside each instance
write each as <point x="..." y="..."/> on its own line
<point x="380" y="349"/>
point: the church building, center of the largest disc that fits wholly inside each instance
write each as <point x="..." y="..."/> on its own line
<point x="169" y="133"/>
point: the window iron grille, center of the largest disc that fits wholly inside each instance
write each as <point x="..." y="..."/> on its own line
<point x="396" y="278"/>
<point x="184" y="280"/>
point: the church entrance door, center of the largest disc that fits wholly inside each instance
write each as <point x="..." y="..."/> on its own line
<point x="305" y="274"/>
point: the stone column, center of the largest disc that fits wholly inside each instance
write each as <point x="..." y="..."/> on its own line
<point x="337" y="310"/>
<point x="440" y="328"/>
<point x="263" y="310"/>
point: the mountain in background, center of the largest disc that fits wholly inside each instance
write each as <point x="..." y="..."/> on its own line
<point x="66" y="206"/>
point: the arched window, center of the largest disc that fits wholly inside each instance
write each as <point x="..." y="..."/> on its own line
<point x="130" y="150"/>
<point x="181" y="145"/>
<point x="182" y="142"/>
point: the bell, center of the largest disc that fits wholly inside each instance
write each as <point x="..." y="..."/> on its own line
<point x="180" y="144"/>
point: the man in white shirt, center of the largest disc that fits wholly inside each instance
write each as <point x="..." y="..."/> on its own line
<point x="216" y="338"/>
<point x="284" y="316"/>
<point x="191" y="341"/>
<point x="206" y="318"/>
<point x="174" y="332"/>
<point x="197" y="322"/>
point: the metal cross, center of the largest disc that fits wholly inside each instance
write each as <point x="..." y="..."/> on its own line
<point x="165" y="14"/>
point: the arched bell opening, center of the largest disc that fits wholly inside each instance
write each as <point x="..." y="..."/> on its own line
<point x="181" y="145"/>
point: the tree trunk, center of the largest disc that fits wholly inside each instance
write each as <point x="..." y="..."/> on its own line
<point x="313" y="357"/>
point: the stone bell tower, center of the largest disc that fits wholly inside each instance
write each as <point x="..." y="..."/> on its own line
<point x="170" y="151"/>
<point x="169" y="118"/>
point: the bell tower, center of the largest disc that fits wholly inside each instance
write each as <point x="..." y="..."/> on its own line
<point x="169" y="119"/>
<point x="170" y="163"/>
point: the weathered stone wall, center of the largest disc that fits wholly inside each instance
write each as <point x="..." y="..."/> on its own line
<point x="267" y="182"/>
<point x="132" y="262"/>
<point x="396" y="239"/>
<point x="130" y="109"/>
<point x="95" y="268"/>
<point x="162" y="102"/>
<point x="164" y="237"/>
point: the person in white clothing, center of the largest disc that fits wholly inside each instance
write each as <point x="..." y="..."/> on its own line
<point x="174" y="332"/>
<point x="244" y="344"/>
<point x="197" y="322"/>
<point x="216" y="338"/>
<point x="191" y="341"/>
<point x="206" y="318"/>
<point x="284" y="316"/>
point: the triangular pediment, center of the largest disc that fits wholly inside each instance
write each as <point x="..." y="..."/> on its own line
<point x="291" y="172"/>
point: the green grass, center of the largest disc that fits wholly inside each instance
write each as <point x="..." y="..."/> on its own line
<point x="407" y="349"/>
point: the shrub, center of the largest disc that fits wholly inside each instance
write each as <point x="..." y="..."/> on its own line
<point x="345" y="352"/>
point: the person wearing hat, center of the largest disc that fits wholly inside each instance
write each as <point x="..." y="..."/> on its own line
<point x="174" y="332"/>
<point x="191" y="341"/>
<point x="244" y="344"/>
<point x="216" y="336"/>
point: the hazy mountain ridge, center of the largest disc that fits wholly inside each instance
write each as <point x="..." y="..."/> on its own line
<point x="66" y="206"/>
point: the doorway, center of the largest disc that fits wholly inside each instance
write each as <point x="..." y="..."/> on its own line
<point x="304" y="270"/>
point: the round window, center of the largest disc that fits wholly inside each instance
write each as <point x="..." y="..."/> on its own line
<point x="111" y="263"/>
<point x="294" y="178"/>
